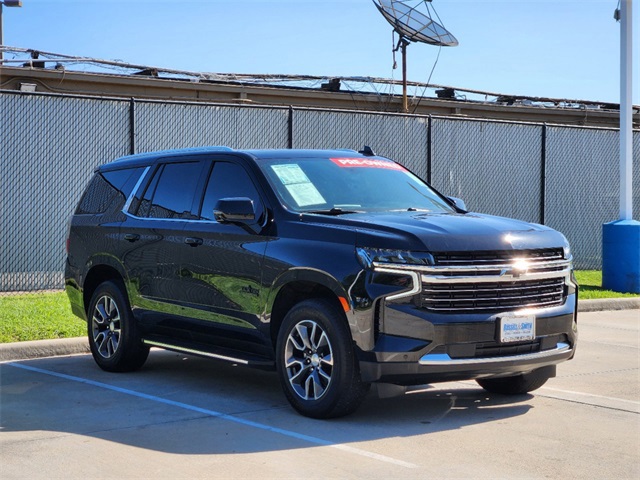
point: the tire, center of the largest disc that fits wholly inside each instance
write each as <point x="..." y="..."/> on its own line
<point x="114" y="340"/>
<point x="517" y="384"/>
<point x="316" y="361"/>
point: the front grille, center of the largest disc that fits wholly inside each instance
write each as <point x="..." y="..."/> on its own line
<point x="487" y="296"/>
<point x="499" y="257"/>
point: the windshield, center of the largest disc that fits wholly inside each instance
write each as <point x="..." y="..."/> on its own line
<point x="345" y="185"/>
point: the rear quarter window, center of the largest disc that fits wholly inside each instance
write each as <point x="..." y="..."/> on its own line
<point x="108" y="189"/>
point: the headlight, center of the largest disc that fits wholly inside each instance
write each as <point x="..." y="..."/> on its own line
<point x="367" y="256"/>
<point x="567" y="252"/>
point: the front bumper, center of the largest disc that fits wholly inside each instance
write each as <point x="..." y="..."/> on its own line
<point x="442" y="368"/>
<point x="418" y="347"/>
<point x="441" y="322"/>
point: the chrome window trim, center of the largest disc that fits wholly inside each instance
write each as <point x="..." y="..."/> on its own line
<point x="127" y="204"/>
<point x="169" y="219"/>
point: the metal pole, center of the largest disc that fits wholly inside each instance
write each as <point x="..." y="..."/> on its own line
<point x="1" y="37"/>
<point x="405" y="103"/>
<point x="132" y="126"/>
<point x="543" y="173"/>
<point x="626" y="100"/>
<point x="290" y="128"/>
<point x="621" y="239"/>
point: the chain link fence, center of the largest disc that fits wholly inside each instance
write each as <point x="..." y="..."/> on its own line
<point x="50" y="147"/>
<point x="403" y="138"/>
<point x="494" y="167"/>
<point x="565" y="177"/>
<point x="582" y="177"/>
<point x="161" y="126"/>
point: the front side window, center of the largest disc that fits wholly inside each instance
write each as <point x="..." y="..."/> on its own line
<point x="229" y="180"/>
<point x="350" y="184"/>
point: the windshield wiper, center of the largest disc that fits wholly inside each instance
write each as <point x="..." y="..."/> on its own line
<point x="332" y="211"/>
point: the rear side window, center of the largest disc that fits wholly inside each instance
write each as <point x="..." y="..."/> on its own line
<point x="107" y="189"/>
<point x="171" y="191"/>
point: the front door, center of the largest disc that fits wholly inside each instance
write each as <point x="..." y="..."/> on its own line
<point x="222" y="272"/>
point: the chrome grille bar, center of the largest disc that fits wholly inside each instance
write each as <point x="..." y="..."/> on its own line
<point x="496" y="257"/>
<point x="457" y="308"/>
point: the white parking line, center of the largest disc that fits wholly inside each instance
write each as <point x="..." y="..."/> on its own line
<point x="608" y="402"/>
<point x="213" y="413"/>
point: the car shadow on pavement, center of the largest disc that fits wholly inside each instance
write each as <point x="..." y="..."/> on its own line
<point x="187" y="405"/>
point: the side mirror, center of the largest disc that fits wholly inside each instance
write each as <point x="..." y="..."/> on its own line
<point x="459" y="203"/>
<point x="234" y="210"/>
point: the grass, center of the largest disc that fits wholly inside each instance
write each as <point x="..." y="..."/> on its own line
<point x="46" y="315"/>
<point x="38" y="316"/>
<point x="590" y="282"/>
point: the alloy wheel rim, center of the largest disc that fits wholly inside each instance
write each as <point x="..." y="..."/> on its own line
<point x="308" y="360"/>
<point x="106" y="326"/>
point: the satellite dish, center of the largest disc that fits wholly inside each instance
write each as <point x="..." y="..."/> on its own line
<point x="413" y="25"/>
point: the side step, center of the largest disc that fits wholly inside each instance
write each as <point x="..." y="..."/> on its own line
<point x="217" y="353"/>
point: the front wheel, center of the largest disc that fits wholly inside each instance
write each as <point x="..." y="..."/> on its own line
<point x="517" y="384"/>
<point x="114" y="341"/>
<point x="316" y="361"/>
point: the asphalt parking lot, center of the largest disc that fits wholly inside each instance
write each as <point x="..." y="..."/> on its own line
<point x="185" y="417"/>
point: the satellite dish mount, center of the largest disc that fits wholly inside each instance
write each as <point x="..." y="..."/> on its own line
<point x="413" y="25"/>
<point x="402" y="46"/>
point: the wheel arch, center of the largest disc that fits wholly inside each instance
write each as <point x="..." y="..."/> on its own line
<point x="100" y="270"/>
<point x="297" y="285"/>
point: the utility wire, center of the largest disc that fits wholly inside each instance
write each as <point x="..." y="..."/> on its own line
<point x="437" y="57"/>
<point x="428" y="80"/>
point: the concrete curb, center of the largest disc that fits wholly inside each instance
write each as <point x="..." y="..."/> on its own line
<point x="43" y="348"/>
<point x="607" y="304"/>
<point x="71" y="346"/>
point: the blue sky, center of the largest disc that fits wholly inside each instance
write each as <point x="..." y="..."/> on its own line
<point x="554" y="48"/>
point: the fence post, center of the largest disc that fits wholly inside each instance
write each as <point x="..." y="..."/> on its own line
<point x="543" y="173"/>
<point x="429" y="127"/>
<point x="290" y="127"/>
<point x="132" y="126"/>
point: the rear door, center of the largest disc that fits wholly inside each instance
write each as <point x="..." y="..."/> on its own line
<point x="153" y="239"/>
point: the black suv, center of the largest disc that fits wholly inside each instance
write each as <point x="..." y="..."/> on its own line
<point x="334" y="267"/>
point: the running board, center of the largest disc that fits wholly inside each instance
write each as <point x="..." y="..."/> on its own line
<point x="226" y="357"/>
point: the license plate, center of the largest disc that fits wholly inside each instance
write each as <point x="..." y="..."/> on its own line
<point x="517" y="328"/>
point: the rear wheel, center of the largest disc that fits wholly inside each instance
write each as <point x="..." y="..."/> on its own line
<point x="316" y="361"/>
<point x="113" y="335"/>
<point x="517" y="384"/>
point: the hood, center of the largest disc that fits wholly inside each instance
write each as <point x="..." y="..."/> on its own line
<point x="442" y="232"/>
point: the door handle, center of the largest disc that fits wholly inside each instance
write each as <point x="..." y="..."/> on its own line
<point x="193" y="241"/>
<point x="131" y="237"/>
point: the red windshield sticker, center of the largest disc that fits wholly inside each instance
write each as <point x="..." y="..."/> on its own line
<point x="366" y="163"/>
